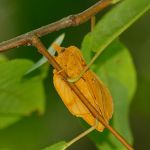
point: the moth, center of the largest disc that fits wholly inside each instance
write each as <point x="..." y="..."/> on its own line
<point x="72" y="62"/>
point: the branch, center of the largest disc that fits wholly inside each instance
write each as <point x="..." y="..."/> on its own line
<point x="72" y="20"/>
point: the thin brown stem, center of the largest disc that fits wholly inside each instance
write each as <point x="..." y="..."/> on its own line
<point x="38" y="44"/>
<point x="82" y="134"/>
<point x="72" y="20"/>
<point x="93" y="20"/>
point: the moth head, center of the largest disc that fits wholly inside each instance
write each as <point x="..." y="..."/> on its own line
<point x="58" y="49"/>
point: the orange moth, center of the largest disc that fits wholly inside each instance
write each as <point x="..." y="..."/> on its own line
<point x="71" y="61"/>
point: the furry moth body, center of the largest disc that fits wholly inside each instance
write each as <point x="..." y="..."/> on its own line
<point x="71" y="61"/>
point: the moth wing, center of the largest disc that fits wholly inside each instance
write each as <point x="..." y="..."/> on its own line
<point x="86" y="88"/>
<point x="101" y="96"/>
<point x="107" y="102"/>
<point x="70" y="99"/>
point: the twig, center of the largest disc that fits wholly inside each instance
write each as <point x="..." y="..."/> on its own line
<point x="38" y="44"/>
<point x="72" y="20"/>
<point x="82" y="134"/>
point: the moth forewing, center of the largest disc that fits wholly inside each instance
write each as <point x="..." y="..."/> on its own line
<point x="72" y="62"/>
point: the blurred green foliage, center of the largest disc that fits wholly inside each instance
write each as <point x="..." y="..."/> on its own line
<point x="36" y="132"/>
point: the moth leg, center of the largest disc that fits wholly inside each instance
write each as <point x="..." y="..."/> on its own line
<point x="93" y="21"/>
<point x="83" y="134"/>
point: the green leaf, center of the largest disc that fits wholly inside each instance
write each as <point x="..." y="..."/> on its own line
<point x="58" y="146"/>
<point x="115" y="68"/>
<point x="114" y="23"/>
<point x="6" y="121"/>
<point x="19" y="95"/>
<point x="43" y="60"/>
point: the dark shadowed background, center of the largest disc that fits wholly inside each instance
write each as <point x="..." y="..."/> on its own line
<point x="36" y="132"/>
